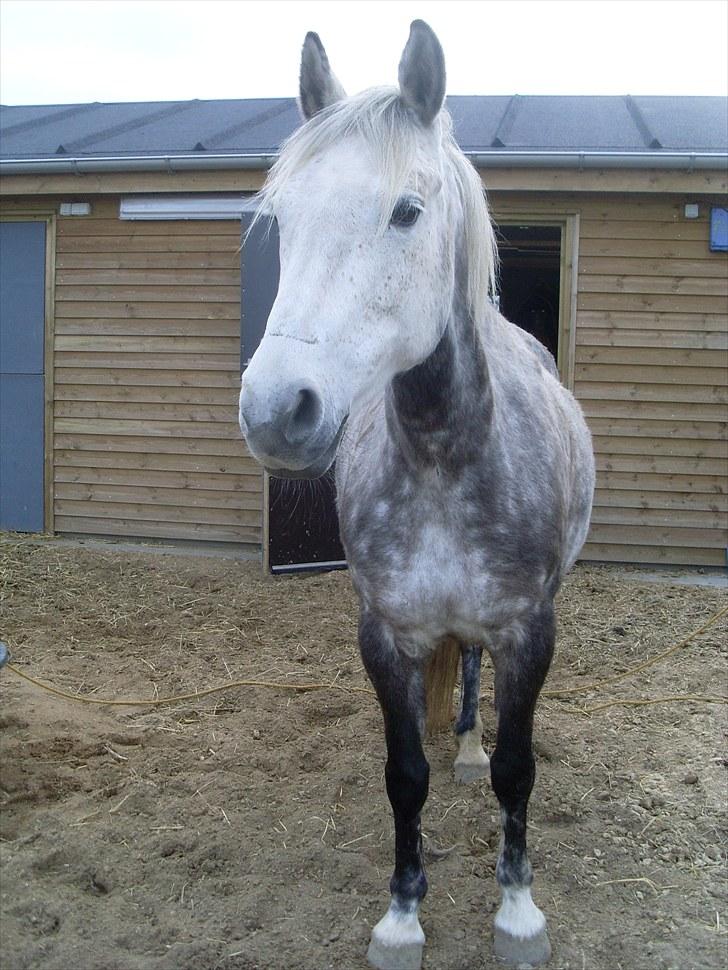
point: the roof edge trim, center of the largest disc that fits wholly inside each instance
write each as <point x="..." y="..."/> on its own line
<point x="686" y="160"/>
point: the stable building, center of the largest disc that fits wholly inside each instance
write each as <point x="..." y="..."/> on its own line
<point x="129" y="307"/>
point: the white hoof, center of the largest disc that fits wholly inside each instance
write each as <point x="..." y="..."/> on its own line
<point x="520" y="935"/>
<point x="397" y="941"/>
<point x="471" y="766"/>
<point x="519" y="953"/>
<point x="472" y="762"/>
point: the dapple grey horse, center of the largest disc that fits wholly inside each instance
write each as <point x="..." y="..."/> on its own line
<point x="464" y="468"/>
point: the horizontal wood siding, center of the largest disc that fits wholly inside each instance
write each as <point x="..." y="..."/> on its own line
<point x="146" y="358"/>
<point x="651" y="369"/>
<point x="146" y="368"/>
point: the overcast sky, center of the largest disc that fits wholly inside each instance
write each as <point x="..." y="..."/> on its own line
<point x="66" y="51"/>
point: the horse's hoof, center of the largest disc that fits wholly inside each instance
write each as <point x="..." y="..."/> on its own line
<point x="475" y="767"/>
<point x="397" y="942"/>
<point x="403" y="956"/>
<point x="531" y="952"/>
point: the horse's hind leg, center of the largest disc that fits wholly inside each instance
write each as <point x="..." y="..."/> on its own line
<point x="397" y="939"/>
<point x="471" y="762"/>
<point x="520" y="670"/>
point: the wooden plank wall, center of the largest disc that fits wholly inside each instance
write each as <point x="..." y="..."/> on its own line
<point x="651" y="374"/>
<point x="147" y="324"/>
<point x="146" y="376"/>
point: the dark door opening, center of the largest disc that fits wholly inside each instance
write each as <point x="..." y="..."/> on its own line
<point x="530" y="280"/>
<point x="303" y="527"/>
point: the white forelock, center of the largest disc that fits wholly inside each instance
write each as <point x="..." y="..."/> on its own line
<point x="406" y="156"/>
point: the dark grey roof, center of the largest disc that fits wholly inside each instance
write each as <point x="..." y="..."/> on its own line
<point x="258" y="126"/>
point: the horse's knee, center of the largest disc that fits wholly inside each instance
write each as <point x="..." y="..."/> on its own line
<point x="512" y="775"/>
<point x="408" y="782"/>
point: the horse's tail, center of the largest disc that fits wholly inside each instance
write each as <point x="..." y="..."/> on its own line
<point x="440" y="676"/>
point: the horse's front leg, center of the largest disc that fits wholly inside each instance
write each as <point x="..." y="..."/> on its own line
<point x="397" y="939"/>
<point x="521" y="666"/>
<point x="471" y="762"/>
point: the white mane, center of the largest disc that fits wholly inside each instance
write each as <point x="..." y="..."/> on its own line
<point x="380" y="117"/>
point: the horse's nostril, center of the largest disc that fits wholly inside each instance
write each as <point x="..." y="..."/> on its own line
<point x="304" y="416"/>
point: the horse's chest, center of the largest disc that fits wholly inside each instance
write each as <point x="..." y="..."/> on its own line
<point x="427" y="582"/>
<point x="441" y="583"/>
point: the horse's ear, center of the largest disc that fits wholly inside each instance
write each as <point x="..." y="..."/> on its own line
<point x="422" y="73"/>
<point x="318" y="87"/>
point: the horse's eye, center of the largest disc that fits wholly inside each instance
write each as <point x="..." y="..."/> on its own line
<point x="406" y="213"/>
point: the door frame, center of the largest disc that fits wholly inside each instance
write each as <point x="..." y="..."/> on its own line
<point x="568" y="223"/>
<point x="48" y="216"/>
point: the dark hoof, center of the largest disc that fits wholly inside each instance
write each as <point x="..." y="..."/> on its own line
<point x="519" y="953"/>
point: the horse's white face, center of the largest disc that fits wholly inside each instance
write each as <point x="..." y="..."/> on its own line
<point x="355" y="305"/>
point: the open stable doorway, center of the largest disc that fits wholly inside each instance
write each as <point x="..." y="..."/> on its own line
<point x="529" y="288"/>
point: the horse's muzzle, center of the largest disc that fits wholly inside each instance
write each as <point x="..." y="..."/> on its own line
<point x="318" y="467"/>
<point x="287" y="431"/>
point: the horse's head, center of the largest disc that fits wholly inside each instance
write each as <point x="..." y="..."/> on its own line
<point x="364" y="201"/>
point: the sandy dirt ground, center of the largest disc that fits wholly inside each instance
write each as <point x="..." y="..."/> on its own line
<point x="249" y="828"/>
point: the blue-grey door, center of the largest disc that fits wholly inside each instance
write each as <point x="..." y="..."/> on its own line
<point x="22" y="408"/>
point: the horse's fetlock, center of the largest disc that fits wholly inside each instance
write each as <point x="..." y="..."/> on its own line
<point x="515" y="872"/>
<point x="408" y="888"/>
<point x="465" y="723"/>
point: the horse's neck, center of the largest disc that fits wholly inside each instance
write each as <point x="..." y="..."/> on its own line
<point x="440" y="410"/>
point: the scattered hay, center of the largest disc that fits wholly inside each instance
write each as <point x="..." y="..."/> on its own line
<point x="220" y="817"/>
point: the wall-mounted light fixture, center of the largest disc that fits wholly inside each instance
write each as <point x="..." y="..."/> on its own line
<point x="160" y="207"/>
